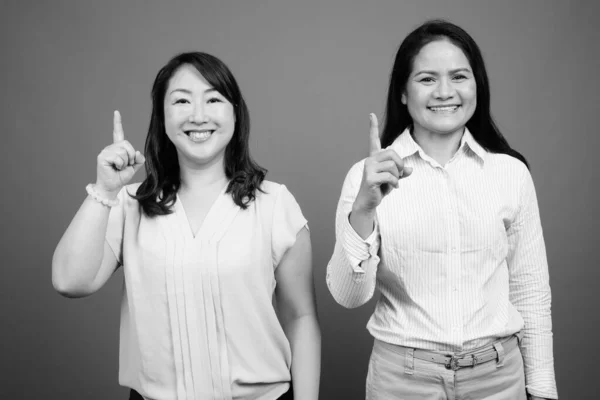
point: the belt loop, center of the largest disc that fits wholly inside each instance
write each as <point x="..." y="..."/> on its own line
<point x="519" y="336"/>
<point x="500" y="351"/>
<point x="409" y="362"/>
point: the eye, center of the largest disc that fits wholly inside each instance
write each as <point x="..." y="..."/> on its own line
<point x="181" y="101"/>
<point x="460" y="77"/>
<point x="214" y="100"/>
<point x="426" y="79"/>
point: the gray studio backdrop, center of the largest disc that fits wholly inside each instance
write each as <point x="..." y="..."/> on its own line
<point x="311" y="71"/>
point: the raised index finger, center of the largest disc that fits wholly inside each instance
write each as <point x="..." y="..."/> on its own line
<point x="374" y="142"/>
<point x="118" y="135"/>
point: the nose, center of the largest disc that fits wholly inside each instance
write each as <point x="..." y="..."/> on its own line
<point x="444" y="89"/>
<point x="198" y="115"/>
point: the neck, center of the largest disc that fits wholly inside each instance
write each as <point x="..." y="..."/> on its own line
<point x="440" y="147"/>
<point x="195" y="178"/>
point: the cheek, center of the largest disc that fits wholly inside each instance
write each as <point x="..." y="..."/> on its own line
<point x="470" y="94"/>
<point x="171" y="122"/>
<point x="168" y="112"/>
<point x="227" y="117"/>
<point x="174" y="117"/>
<point x="417" y="99"/>
<point x="472" y="105"/>
<point x="416" y="104"/>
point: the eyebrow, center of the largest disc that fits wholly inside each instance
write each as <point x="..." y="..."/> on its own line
<point x="186" y="91"/>
<point x="452" y="72"/>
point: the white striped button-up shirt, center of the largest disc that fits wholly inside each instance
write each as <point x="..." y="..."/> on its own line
<point x="457" y="254"/>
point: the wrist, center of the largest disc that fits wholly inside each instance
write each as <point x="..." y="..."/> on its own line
<point x="102" y="197"/>
<point x="362" y="221"/>
<point x="105" y="193"/>
<point x="359" y="210"/>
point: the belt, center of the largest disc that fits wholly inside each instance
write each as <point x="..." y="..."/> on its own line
<point x="456" y="362"/>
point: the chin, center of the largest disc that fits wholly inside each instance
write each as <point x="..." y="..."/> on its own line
<point x="446" y="129"/>
<point x="204" y="159"/>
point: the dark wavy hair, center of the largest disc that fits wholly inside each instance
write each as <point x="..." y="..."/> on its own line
<point x="157" y="192"/>
<point x="481" y="125"/>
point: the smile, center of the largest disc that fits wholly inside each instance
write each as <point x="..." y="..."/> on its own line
<point x="444" y="109"/>
<point x="199" y="136"/>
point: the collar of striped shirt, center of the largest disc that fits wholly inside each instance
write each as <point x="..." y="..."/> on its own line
<point x="406" y="146"/>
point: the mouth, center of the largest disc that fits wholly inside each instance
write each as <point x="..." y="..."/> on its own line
<point x="444" y="109"/>
<point x="199" y="136"/>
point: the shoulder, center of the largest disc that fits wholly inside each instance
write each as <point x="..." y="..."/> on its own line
<point x="355" y="172"/>
<point x="132" y="187"/>
<point x="269" y="187"/>
<point x="270" y="191"/>
<point x="357" y="167"/>
<point x="354" y="176"/>
<point x="506" y="165"/>
<point x="273" y="194"/>
<point x="126" y="199"/>
<point x="510" y="173"/>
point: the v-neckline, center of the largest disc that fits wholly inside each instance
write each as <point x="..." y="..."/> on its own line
<point x="184" y="220"/>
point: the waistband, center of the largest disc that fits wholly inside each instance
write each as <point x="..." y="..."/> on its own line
<point x="494" y="351"/>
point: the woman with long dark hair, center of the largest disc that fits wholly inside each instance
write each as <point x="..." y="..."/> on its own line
<point x="442" y="218"/>
<point x="219" y="299"/>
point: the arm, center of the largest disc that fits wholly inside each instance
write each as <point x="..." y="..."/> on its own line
<point x="82" y="261"/>
<point x="530" y="292"/>
<point x="296" y="302"/>
<point x="352" y="270"/>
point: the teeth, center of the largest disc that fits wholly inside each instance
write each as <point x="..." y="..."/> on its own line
<point x="443" y="109"/>
<point x="199" y="136"/>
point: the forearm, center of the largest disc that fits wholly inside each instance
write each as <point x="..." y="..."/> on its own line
<point x="352" y="270"/>
<point x="537" y="349"/>
<point x="530" y="294"/>
<point x="363" y="222"/>
<point x="351" y="286"/>
<point x="304" y="336"/>
<point x="78" y="255"/>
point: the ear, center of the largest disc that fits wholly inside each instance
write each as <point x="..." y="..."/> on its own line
<point x="403" y="98"/>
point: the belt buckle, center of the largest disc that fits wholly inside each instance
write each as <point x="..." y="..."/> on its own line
<point x="453" y="363"/>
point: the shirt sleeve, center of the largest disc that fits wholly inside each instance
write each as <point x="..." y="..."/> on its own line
<point x="287" y="222"/>
<point x="352" y="270"/>
<point x="530" y="292"/>
<point x="116" y="225"/>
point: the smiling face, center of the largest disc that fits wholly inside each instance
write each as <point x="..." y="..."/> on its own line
<point x="199" y="120"/>
<point x="441" y="93"/>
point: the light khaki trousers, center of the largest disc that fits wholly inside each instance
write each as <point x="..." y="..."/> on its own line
<point x="395" y="374"/>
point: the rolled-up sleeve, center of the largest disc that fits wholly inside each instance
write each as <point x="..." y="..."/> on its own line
<point x="351" y="272"/>
<point x="530" y="291"/>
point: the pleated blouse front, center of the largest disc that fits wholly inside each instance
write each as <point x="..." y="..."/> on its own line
<point x="197" y="315"/>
